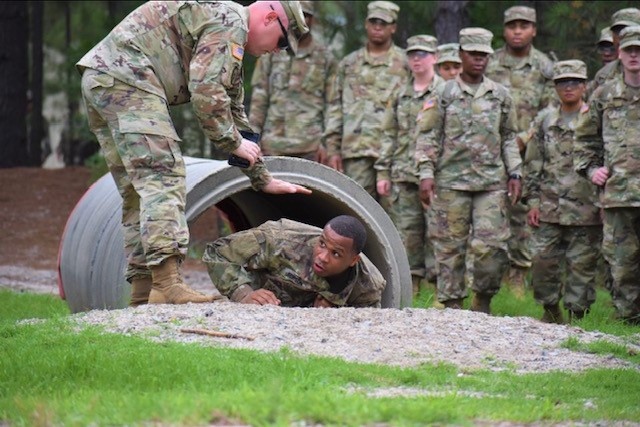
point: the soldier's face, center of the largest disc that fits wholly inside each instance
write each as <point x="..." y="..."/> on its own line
<point x="630" y="58"/>
<point x="474" y="63"/>
<point x="449" y="70"/>
<point x="379" y="31"/>
<point x="570" y="91"/>
<point x="333" y="254"/>
<point x="420" y="61"/>
<point x="265" y="29"/>
<point x="519" y="34"/>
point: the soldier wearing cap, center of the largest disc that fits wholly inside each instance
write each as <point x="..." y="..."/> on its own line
<point x="611" y="71"/>
<point x="605" y="46"/>
<point x="562" y="205"/>
<point x="467" y="157"/>
<point x="395" y="168"/>
<point x="367" y="81"/>
<point x="527" y="73"/>
<point x="448" y="64"/>
<point x="606" y="152"/>
<point x="148" y="62"/>
<point x="289" y="97"/>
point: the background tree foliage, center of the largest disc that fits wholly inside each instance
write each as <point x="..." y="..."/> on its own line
<point x="566" y="30"/>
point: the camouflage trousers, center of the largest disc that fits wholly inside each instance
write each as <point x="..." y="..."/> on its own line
<point x="520" y="240"/>
<point x="454" y="218"/>
<point x="568" y="255"/>
<point x="361" y="170"/>
<point x="141" y="148"/>
<point x="621" y="249"/>
<point x="410" y="219"/>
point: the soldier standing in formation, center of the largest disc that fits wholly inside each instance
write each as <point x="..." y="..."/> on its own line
<point x="289" y="97"/>
<point x="606" y="48"/>
<point x="148" y="62"/>
<point x="606" y="152"/>
<point x="289" y="263"/>
<point x="448" y="64"/>
<point x="367" y="81"/>
<point x="467" y="157"/>
<point x="396" y="174"/>
<point x="562" y="205"/>
<point x="527" y="73"/>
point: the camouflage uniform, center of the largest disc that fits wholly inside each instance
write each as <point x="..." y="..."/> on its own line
<point x="570" y="228"/>
<point x="365" y="86"/>
<point x="397" y="164"/>
<point x="278" y="256"/>
<point x="130" y="78"/>
<point x="530" y="83"/>
<point x="289" y="98"/>
<point x="608" y="134"/>
<point x="466" y="142"/>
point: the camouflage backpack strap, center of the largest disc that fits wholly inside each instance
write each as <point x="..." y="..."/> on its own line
<point x="448" y="93"/>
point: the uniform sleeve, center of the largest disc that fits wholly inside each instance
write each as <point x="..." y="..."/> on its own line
<point x="329" y="87"/>
<point x="588" y="148"/>
<point x="215" y="85"/>
<point x="534" y="163"/>
<point x="231" y="261"/>
<point x="429" y="135"/>
<point x="334" y="122"/>
<point x="367" y="292"/>
<point x="388" y="142"/>
<point x="508" y="125"/>
<point x="260" y="93"/>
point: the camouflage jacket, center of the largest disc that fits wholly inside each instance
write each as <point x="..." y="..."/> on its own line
<point x="550" y="183"/>
<point x="398" y="146"/>
<point x="608" y="72"/>
<point x="183" y="51"/>
<point x="529" y="80"/>
<point x="608" y="134"/>
<point x="466" y="140"/>
<point x="278" y="256"/>
<point x="364" y="88"/>
<point x="289" y="99"/>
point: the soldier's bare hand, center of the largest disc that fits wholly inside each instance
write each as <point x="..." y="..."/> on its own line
<point x="321" y="302"/>
<point x="278" y="186"/>
<point x="514" y="190"/>
<point x="261" y="297"/>
<point x="248" y="150"/>
<point x="600" y="176"/>
<point x="335" y="162"/>
<point x="533" y="217"/>
<point x="383" y="187"/>
<point x="321" y="156"/>
<point x="427" y="191"/>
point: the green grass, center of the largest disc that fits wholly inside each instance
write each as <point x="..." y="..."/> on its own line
<point x="52" y="374"/>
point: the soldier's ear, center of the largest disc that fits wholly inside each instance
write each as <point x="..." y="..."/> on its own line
<point x="355" y="260"/>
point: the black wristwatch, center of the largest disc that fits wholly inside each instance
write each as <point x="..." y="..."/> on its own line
<point x="515" y="176"/>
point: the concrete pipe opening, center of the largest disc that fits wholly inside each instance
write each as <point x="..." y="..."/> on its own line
<point x="91" y="259"/>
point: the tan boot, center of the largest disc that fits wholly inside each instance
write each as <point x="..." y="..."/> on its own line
<point x="140" y="289"/>
<point x="168" y="287"/>
<point x="453" y="303"/>
<point x="415" y="282"/>
<point x="481" y="303"/>
<point x="552" y="314"/>
<point x="516" y="282"/>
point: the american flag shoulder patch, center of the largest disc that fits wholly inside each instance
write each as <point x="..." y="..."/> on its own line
<point x="429" y="103"/>
<point x="237" y="51"/>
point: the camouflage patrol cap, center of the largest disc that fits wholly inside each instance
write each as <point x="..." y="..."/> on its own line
<point x="297" y="25"/>
<point x="630" y="36"/>
<point x="520" y="13"/>
<point x="475" y="39"/>
<point x="422" y="42"/>
<point x="570" y="69"/>
<point x="448" y="52"/>
<point x="385" y="10"/>
<point x="606" y="36"/>
<point x="307" y="7"/>
<point x="625" y="17"/>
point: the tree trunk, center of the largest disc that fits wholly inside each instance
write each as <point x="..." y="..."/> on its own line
<point x="36" y="121"/>
<point x="451" y="17"/>
<point x="14" y="24"/>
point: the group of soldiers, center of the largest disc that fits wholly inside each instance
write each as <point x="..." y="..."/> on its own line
<point x="495" y="166"/>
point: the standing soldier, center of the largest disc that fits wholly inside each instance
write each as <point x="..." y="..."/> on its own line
<point x="606" y="48"/>
<point x="396" y="174"/>
<point x="527" y="73"/>
<point x="606" y="152"/>
<point x="562" y="205"/>
<point x="366" y="83"/>
<point x="611" y="71"/>
<point x="467" y="157"/>
<point x="289" y="97"/>
<point x="448" y="64"/>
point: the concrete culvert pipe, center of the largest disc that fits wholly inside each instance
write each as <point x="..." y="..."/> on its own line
<point x="91" y="260"/>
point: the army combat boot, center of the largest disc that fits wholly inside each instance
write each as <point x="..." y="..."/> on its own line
<point x="453" y="303"/>
<point x="140" y="289"/>
<point x="168" y="286"/>
<point x="552" y="314"/>
<point x="481" y="303"/>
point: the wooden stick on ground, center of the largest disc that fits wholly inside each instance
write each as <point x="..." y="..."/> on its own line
<point x="215" y="334"/>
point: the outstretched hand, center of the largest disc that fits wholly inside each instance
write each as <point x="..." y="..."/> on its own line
<point x="278" y="186"/>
